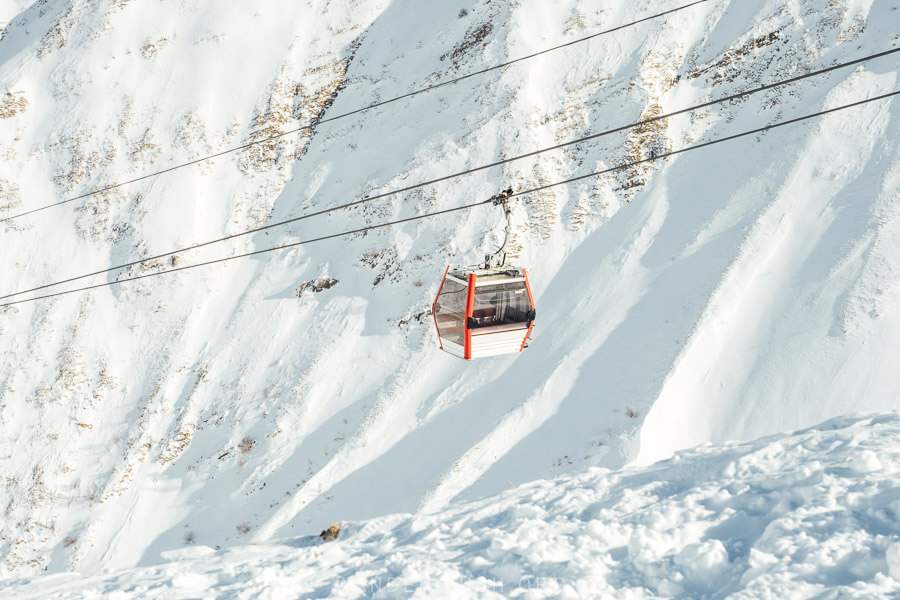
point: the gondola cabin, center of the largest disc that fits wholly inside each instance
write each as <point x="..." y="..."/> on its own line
<point x="484" y="312"/>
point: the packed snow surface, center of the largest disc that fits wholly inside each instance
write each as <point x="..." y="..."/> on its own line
<point x="800" y="515"/>
<point x="728" y="293"/>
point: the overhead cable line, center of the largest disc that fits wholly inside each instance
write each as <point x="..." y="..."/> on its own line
<point x="461" y="173"/>
<point x="705" y="144"/>
<point x="467" y="206"/>
<point x="352" y="112"/>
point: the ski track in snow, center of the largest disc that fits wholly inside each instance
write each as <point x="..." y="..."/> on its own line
<point x="725" y="294"/>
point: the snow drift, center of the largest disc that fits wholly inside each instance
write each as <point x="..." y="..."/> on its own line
<point x="799" y="515"/>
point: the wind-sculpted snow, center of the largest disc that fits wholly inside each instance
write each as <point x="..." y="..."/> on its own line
<point x="741" y="290"/>
<point x="790" y="516"/>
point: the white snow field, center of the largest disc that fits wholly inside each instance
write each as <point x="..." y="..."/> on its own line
<point x="727" y="293"/>
<point x="809" y="514"/>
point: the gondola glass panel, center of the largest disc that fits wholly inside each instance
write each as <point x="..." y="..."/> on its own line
<point x="450" y="311"/>
<point x="500" y="307"/>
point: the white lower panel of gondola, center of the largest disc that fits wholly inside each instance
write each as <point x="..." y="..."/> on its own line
<point x="453" y="348"/>
<point x="504" y="342"/>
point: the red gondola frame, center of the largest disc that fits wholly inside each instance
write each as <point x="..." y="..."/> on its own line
<point x="492" y="339"/>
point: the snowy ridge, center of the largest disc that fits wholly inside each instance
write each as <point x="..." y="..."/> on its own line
<point x="728" y="293"/>
<point x="793" y="515"/>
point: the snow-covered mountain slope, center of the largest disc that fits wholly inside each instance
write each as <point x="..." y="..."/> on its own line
<point x="726" y="293"/>
<point x="811" y="514"/>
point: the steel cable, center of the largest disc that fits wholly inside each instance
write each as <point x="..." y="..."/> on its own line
<point x="461" y="173"/>
<point x="467" y="206"/>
